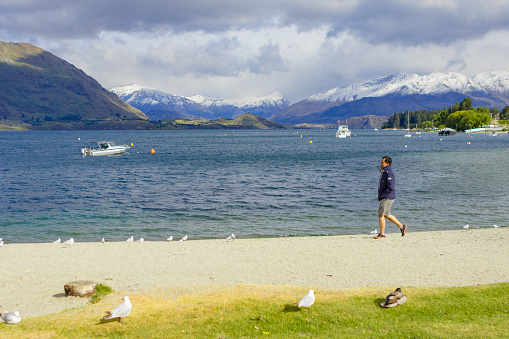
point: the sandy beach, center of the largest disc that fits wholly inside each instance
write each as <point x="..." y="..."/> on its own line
<point x="33" y="275"/>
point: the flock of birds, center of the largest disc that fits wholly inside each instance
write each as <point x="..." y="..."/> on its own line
<point x="394" y="299"/>
<point x="130" y="239"/>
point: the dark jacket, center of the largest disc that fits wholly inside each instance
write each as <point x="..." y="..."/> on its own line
<point x="387" y="184"/>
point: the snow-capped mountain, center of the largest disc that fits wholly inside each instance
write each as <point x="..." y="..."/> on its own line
<point x="154" y="102"/>
<point x="399" y="92"/>
<point x="231" y="108"/>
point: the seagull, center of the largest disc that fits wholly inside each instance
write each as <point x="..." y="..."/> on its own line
<point x="131" y="239"/>
<point x="231" y="237"/>
<point x="58" y="241"/>
<point x="374" y="232"/>
<point x="11" y="318"/>
<point x="69" y="242"/>
<point x="1" y="242"/>
<point x="307" y="300"/>
<point x="495" y="226"/>
<point x="170" y="238"/>
<point x="121" y="310"/>
<point x="140" y="240"/>
<point x="466" y="226"/>
<point x="184" y="238"/>
<point x="102" y="240"/>
<point x="395" y="298"/>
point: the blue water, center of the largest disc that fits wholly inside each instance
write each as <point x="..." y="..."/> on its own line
<point x="254" y="183"/>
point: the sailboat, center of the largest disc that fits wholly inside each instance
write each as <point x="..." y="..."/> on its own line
<point x="408" y="135"/>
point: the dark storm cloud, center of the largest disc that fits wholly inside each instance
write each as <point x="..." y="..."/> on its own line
<point x="404" y="22"/>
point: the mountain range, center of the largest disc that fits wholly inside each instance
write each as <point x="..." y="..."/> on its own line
<point x="373" y="100"/>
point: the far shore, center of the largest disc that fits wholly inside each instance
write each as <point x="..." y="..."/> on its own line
<point x="33" y="275"/>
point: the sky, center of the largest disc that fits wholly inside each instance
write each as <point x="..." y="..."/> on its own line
<point x="234" y="49"/>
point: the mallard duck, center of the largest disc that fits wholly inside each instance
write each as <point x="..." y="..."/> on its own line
<point x="395" y="298"/>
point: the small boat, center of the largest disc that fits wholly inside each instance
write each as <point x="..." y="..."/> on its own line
<point x="408" y="135"/>
<point x="418" y="132"/>
<point x="343" y="131"/>
<point x="104" y="148"/>
<point x="447" y="131"/>
<point x="493" y="134"/>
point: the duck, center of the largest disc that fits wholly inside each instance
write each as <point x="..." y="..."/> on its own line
<point x="394" y="299"/>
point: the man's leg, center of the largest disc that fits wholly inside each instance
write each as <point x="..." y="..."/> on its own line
<point x="381" y="221"/>
<point x="393" y="220"/>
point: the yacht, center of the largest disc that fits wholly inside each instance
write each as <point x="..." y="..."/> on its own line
<point x="343" y="131"/>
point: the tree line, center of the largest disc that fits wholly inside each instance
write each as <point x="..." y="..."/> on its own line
<point x="460" y="116"/>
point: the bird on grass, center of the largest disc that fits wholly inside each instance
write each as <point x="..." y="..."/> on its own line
<point x="307" y="300"/>
<point x="11" y="318"/>
<point x="121" y="310"/>
<point x="394" y="299"/>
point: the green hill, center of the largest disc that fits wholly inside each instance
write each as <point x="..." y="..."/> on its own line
<point x="42" y="91"/>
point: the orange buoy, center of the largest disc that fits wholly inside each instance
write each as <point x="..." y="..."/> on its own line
<point x="152" y="151"/>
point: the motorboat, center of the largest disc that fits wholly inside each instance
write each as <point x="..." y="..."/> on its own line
<point x="493" y="134"/>
<point x="343" y="131"/>
<point x="104" y="148"/>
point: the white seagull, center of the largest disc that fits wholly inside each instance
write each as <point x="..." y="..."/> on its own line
<point x="131" y="239"/>
<point x="466" y="226"/>
<point x="394" y="299"/>
<point x="170" y="238"/>
<point x="58" y="241"/>
<point x="103" y="241"/>
<point x="374" y="232"/>
<point x="11" y="318"/>
<point x="231" y="237"/>
<point x="140" y="240"/>
<point x="495" y="226"/>
<point x="69" y="242"/>
<point x="121" y="310"/>
<point x="307" y="300"/>
<point x="1" y="242"/>
<point x="184" y="238"/>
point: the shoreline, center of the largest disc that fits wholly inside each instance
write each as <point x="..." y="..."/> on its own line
<point x="33" y="274"/>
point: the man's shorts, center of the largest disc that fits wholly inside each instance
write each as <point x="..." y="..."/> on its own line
<point x="385" y="207"/>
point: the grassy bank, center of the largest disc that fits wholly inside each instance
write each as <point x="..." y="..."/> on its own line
<point x="267" y="311"/>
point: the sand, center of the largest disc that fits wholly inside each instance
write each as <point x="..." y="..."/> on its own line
<point x="33" y="275"/>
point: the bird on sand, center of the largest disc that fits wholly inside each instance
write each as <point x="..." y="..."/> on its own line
<point x="307" y="300"/>
<point x="184" y="238"/>
<point x="121" y="310"/>
<point x="374" y="232"/>
<point x="1" y="242"/>
<point x="170" y="238"/>
<point x="466" y="226"/>
<point x="394" y="299"/>
<point x="131" y="239"/>
<point x="69" y="242"/>
<point x="231" y="237"/>
<point x="11" y="318"/>
<point x="58" y="241"/>
<point x="140" y="240"/>
<point x="103" y="241"/>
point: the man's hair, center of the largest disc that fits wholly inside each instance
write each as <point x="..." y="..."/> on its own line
<point x="388" y="160"/>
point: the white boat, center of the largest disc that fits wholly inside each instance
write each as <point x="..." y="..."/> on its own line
<point x="493" y="134"/>
<point x="104" y="148"/>
<point x="343" y="131"/>
<point x="408" y="135"/>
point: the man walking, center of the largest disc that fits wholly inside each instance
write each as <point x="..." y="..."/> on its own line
<point x="386" y="196"/>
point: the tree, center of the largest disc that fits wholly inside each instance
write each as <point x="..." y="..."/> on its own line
<point x="466" y="104"/>
<point x="462" y="120"/>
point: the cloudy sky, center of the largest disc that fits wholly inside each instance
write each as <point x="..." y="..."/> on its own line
<point x="239" y="48"/>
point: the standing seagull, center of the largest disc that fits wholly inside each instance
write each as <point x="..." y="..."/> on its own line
<point x="394" y="299"/>
<point x="184" y="238"/>
<point x="69" y="242"/>
<point x="170" y="238"/>
<point x="121" y="310"/>
<point x="131" y="239"/>
<point x="103" y="241"/>
<point x="307" y="300"/>
<point x="11" y="318"/>
<point x="140" y="240"/>
<point x="1" y="242"/>
<point x="58" y="241"/>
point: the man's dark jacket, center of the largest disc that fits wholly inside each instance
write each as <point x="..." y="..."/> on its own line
<point x="387" y="184"/>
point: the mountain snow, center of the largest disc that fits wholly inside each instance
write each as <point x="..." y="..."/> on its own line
<point x="147" y="96"/>
<point x="274" y="99"/>
<point x="408" y="84"/>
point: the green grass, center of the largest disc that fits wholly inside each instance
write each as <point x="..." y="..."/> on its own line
<point x="101" y="290"/>
<point x="266" y="311"/>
